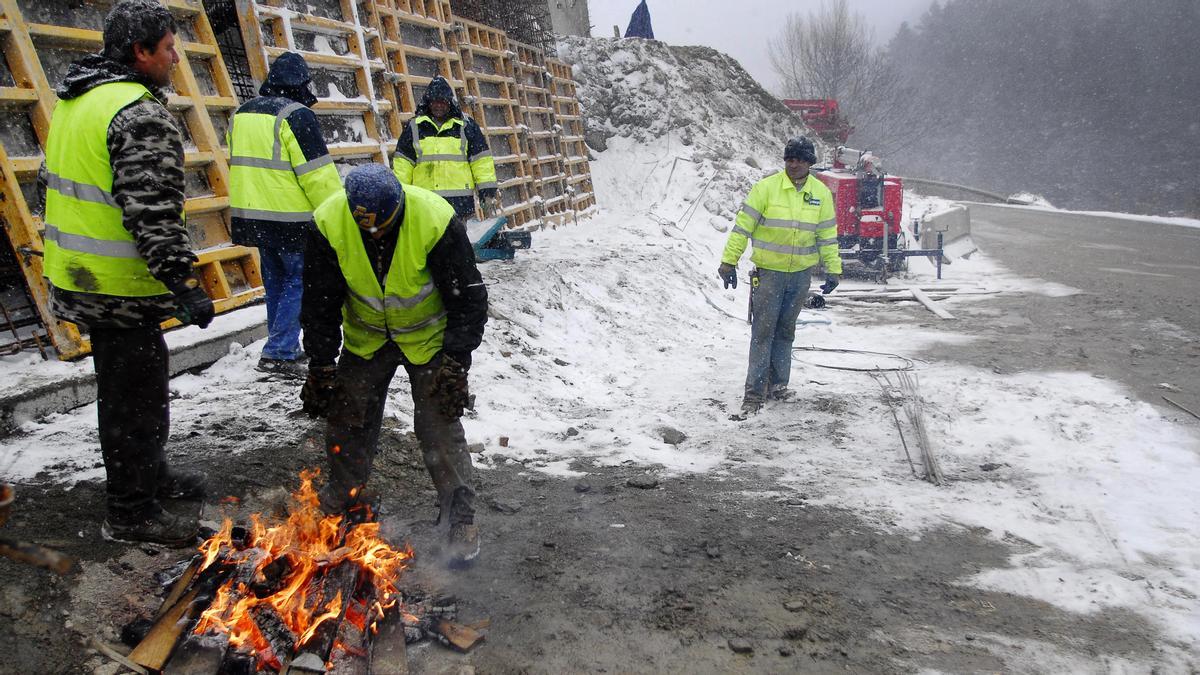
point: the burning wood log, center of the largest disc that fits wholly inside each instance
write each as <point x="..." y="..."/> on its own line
<point x="336" y="589"/>
<point x="154" y="650"/>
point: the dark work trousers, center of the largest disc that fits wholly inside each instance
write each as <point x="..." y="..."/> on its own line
<point x="134" y="418"/>
<point x="777" y="299"/>
<point x="356" y="414"/>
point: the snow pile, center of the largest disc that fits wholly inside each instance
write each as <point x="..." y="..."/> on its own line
<point x="640" y="89"/>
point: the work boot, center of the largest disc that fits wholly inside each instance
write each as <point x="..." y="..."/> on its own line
<point x="782" y="393"/>
<point x="751" y="405"/>
<point x="162" y="527"/>
<point x="178" y="484"/>
<point x="358" y="509"/>
<point x="292" y="370"/>
<point x="462" y="544"/>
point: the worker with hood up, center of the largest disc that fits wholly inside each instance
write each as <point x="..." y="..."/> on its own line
<point x="443" y="150"/>
<point x="280" y="171"/>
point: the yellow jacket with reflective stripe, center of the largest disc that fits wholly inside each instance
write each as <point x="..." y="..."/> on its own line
<point x="791" y="229"/>
<point x="408" y="310"/>
<point x="269" y="177"/>
<point x="442" y="162"/>
<point x="88" y="248"/>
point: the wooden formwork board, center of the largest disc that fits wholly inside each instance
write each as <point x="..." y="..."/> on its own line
<point x="417" y="38"/>
<point x="540" y="132"/>
<point x="346" y="57"/>
<point x="492" y="101"/>
<point x="38" y="48"/>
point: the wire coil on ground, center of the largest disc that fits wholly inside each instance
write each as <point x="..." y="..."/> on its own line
<point x="907" y="362"/>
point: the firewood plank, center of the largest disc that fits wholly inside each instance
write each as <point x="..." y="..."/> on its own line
<point x="461" y="637"/>
<point x="389" y="655"/>
<point x="154" y="650"/>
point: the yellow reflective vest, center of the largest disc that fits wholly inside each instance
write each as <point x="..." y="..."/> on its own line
<point x="408" y="309"/>
<point x="791" y="229"/>
<point x="269" y="177"/>
<point x="88" y="248"/>
<point x="442" y="164"/>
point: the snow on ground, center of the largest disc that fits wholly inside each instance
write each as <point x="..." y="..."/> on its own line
<point x="608" y="332"/>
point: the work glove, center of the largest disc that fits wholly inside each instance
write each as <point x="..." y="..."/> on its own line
<point x="490" y="207"/>
<point x="318" y="390"/>
<point x="449" y="388"/>
<point x="831" y="282"/>
<point x="192" y="304"/>
<point x="728" y="274"/>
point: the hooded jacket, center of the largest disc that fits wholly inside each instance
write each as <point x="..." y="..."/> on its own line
<point x="146" y="155"/>
<point x="278" y="127"/>
<point x="449" y="178"/>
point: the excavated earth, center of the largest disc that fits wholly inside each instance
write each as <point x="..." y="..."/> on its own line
<point x="621" y="571"/>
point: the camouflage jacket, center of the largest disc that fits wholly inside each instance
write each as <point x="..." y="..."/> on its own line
<point x="146" y="152"/>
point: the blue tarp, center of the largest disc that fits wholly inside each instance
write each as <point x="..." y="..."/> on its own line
<point x="639" y="23"/>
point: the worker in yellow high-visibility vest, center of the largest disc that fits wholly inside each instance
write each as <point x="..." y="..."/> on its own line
<point x="443" y="150"/>
<point x="119" y="260"/>
<point x="279" y="171"/>
<point x="789" y="218"/>
<point x="390" y="278"/>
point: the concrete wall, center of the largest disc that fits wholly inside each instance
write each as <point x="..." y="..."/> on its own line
<point x="569" y="17"/>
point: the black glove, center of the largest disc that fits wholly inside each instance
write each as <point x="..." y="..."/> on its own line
<point x="192" y="304"/>
<point x="728" y="274"/>
<point x="318" y="390"/>
<point x="449" y="388"/>
<point x="831" y="282"/>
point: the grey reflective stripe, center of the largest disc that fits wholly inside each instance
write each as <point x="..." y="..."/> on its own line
<point x="827" y="242"/>
<point x="455" y="193"/>
<point x="82" y="244"/>
<point x="738" y="230"/>
<point x="416" y="134"/>
<point x="832" y="222"/>
<point x="482" y="153"/>
<point x="277" y="151"/>
<point x="786" y="250"/>
<point x="462" y="137"/>
<point x="374" y="303"/>
<point x="487" y="185"/>
<point x="424" y="159"/>
<point x="261" y="163"/>
<point x="752" y="212"/>
<point x="357" y="320"/>
<point x="81" y="191"/>
<point x="314" y="164"/>
<point x="789" y="224"/>
<point x="400" y="302"/>
<point x="272" y="216"/>
<point x="418" y="326"/>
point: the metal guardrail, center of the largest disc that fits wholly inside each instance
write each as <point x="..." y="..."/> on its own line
<point x="919" y="182"/>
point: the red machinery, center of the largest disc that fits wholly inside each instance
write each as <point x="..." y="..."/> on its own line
<point x="822" y="116"/>
<point x="867" y="201"/>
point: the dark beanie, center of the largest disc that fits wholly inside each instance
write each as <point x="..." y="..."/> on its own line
<point x="800" y="148"/>
<point x="131" y="22"/>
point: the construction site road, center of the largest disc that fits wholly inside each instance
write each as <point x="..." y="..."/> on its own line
<point x="1140" y="276"/>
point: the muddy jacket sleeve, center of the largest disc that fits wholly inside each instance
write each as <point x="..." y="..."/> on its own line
<point x="452" y="265"/>
<point x="405" y="157"/>
<point x="146" y="154"/>
<point x="321" y="303"/>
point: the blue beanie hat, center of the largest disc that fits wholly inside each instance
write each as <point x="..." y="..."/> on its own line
<point x="374" y="196"/>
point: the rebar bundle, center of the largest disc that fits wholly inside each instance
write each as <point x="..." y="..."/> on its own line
<point x="914" y="411"/>
<point x="527" y="21"/>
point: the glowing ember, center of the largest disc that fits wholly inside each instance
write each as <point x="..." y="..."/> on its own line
<point x="284" y="574"/>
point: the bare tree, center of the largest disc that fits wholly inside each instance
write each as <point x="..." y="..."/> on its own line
<point x="832" y="53"/>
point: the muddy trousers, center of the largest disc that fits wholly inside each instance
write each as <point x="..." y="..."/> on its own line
<point x="134" y="420"/>
<point x="777" y="299"/>
<point x="356" y="415"/>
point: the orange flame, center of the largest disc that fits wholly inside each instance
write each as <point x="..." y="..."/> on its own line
<point x="306" y="544"/>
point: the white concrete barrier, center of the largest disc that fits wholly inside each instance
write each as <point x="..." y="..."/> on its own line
<point x="954" y="223"/>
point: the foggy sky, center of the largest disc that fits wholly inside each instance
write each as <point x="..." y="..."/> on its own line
<point x="741" y="28"/>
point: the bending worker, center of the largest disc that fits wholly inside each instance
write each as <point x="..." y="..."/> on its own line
<point x="789" y="217"/>
<point x="390" y="270"/>
<point x="279" y="171"/>
<point x="443" y="150"/>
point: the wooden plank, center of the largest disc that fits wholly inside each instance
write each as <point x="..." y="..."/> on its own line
<point x="389" y="654"/>
<point x="154" y="649"/>
<point x="924" y="299"/>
